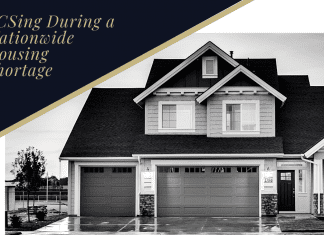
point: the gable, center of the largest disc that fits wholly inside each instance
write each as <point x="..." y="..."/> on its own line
<point x="184" y="64"/>
<point x="192" y="75"/>
<point x="231" y="75"/>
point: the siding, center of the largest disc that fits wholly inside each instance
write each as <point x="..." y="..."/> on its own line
<point x="151" y="115"/>
<point x="267" y="114"/>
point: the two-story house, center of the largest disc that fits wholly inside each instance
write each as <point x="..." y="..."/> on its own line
<point x="209" y="135"/>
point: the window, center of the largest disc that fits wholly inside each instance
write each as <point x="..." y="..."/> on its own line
<point x="176" y="116"/>
<point x="209" y="67"/>
<point x="285" y="176"/>
<point x="169" y="169"/>
<point x="221" y="170"/>
<point x="302" y="181"/>
<point x="195" y="170"/>
<point x="121" y="170"/>
<point x="246" y="169"/>
<point x="241" y="116"/>
<point x="93" y="170"/>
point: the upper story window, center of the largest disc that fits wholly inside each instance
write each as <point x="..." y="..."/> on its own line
<point x="241" y="117"/>
<point x="209" y="67"/>
<point x="176" y="116"/>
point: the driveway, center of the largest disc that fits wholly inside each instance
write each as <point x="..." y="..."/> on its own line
<point x="162" y="225"/>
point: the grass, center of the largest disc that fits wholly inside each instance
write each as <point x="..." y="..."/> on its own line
<point x="35" y="224"/>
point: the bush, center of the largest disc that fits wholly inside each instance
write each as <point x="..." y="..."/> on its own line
<point x="41" y="213"/>
<point x="15" y="221"/>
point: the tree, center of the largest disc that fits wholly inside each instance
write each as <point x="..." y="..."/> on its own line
<point x="29" y="167"/>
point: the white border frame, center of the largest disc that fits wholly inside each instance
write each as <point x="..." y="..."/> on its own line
<point x="77" y="179"/>
<point x="257" y="113"/>
<point x="175" y="130"/>
<point x="200" y="162"/>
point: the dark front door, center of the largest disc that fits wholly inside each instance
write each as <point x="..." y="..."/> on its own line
<point x="286" y="190"/>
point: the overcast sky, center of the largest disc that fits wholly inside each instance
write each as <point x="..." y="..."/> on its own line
<point x="295" y="53"/>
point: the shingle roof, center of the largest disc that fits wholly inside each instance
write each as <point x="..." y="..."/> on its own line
<point x="111" y="124"/>
<point x="301" y="120"/>
<point x="266" y="69"/>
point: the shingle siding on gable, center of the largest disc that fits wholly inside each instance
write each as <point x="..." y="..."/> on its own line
<point x="152" y="116"/>
<point x="267" y="114"/>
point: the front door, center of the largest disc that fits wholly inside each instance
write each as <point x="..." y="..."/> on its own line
<point x="286" y="190"/>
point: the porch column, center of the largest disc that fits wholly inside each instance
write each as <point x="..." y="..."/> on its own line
<point x="318" y="185"/>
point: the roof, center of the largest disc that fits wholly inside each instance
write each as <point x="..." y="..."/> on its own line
<point x="237" y="70"/>
<point x="112" y="125"/>
<point x="208" y="46"/>
<point x="301" y="120"/>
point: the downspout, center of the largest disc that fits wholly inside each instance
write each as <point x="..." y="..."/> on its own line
<point x="318" y="182"/>
<point x="139" y="184"/>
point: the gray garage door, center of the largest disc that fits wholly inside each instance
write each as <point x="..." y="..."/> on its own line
<point x="208" y="191"/>
<point x="107" y="191"/>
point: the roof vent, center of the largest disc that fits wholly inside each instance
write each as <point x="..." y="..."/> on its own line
<point x="231" y="52"/>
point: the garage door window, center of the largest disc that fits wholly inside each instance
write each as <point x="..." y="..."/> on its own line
<point x="246" y="169"/>
<point x="93" y="169"/>
<point x="169" y="169"/>
<point x="195" y="170"/>
<point x="121" y="170"/>
<point x="221" y="170"/>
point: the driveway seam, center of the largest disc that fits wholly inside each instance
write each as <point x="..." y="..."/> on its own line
<point x="126" y="225"/>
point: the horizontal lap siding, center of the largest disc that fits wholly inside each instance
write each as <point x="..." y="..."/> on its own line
<point x="71" y="204"/>
<point x="152" y="116"/>
<point x="267" y="114"/>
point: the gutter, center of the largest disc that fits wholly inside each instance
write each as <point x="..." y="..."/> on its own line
<point x="302" y="156"/>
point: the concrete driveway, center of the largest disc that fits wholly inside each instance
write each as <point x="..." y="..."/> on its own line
<point x="162" y="225"/>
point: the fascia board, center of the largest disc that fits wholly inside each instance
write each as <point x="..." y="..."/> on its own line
<point x="315" y="148"/>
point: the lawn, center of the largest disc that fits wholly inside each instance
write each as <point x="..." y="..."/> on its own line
<point x="35" y="223"/>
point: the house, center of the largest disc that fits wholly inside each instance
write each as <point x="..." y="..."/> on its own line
<point x="209" y="135"/>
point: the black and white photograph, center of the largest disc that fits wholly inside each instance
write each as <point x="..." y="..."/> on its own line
<point x="220" y="132"/>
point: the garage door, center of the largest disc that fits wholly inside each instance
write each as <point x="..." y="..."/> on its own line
<point x="107" y="191"/>
<point x="208" y="191"/>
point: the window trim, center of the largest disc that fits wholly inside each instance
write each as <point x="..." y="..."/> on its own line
<point x="241" y="132"/>
<point x="204" y="74"/>
<point x="161" y="129"/>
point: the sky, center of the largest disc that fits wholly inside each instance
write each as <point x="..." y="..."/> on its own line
<point x="296" y="54"/>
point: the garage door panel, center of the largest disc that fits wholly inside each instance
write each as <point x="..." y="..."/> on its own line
<point x="95" y="200"/>
<point x="169" y="191"/>
<point x="194" y="211"/>
<point x="195" y="200"/>
<point x="170" y="181"/>
<point x="195" y="191"/>
<point x="221" y="211"/>
<point x="122" y="200"/>
<point x="246" y="200"/>
<point x="246" y="191"/>
<point x="215" y="191"/>
<point x="122" y="190"/>
<point x="221" y="200"/>
<point x="222" y="191"/>
<point x="246" y="211"/>
<point x="107" y="193"/>
<point x="246" y="180"/>
<point x="221" y="180"/>
<point x="197" y="181"/>
<point x="95" y="191"/>
<point x="169" y="200"/>
<point x="170" y="211"/>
